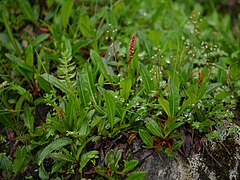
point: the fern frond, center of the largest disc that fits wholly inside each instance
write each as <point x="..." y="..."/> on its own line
<point x="66" y="68"/>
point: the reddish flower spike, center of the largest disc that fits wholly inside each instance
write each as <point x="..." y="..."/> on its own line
<point x="131" y="47"/>
<point x="61" y="113"/>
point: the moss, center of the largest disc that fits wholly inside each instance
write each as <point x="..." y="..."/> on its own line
<point x="221" y="158"/>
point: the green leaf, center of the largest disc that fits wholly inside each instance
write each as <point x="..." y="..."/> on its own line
<point x="85" y="25"/>
<point x="146" y="138"/>
<point x="62" y="157"/>
<point x="27" y="10"/>
<point x="5" y="118"/>
<point x="28" y="117"/>
<point x="165" y="105"/>
<point x="82" y="88"/>
<point x="154" y="128"/>
<point x="43" y="174"/>
<point x="55" y="145"/>
<point x="173" y="97"/>
<point x="148" y="83"/>
<point x="57" y="166"/>
<point x="185" y="104"/>
<point x="125" y="88"/>
<point x="84" y="130"/>
<point x="139" y="175"/>
<point x="202" y="89"/>
<point x="169" y="152"/>
<point x="40" y="39"/>
<point x="130" y="165"/>
<point x="18" y="164"/>
<point x="103" y="68"/>
<point x="19" y="62"/>
<point x="65" y="12"/>
<point x="56" y="82"/>
<point x="212" y="87"/>
<point x="90" y="82"/>
<point x="171" y="125"/>
<point x="111" y="107"/>
<point x="217" y="108"/>
<point x="177" y="145"/>
<point x="87" y="157"/>
<point x="10" y="34"/>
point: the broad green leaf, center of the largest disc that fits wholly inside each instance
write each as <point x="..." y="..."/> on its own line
<point x="217" y="108"/>
<point x="57" y="166"/>
<point x="56" y="82"/>
<point x="28" y="117"/>
<point x="130" y="165"/>
<point x="169" y="153"/>
<point x="165" y="105"/>
<point x="85" y="25"/>
<point x="20" y="62"/>
<point x="146" y="138"/>
<point x="18" y="106"/>
<point x="103" y="68"/>
<point x="43" y="174"/>
<point x="10" y="34"/>
<point x="171" y="125"/>
<point x="18" y="164"/>
<point x="5" y="118"/>
<point x="212" y="87"/>
<point x="154" y="128"/>
<point x="185" y="104"/>
<point x="87" y="157"/>
<point x="82" y="88"/>
<point x="137" y="175"/>
<point x="71" y="112"/>
<point x="40" y="39"/>
<point x="5" y="165"/>
<point x="55" y="145"/>
<point x="177" y="145"/>
<point x="65" y="12"/>
<point x="202" y="89"/>
<point x="111" y="107"/>
<point x="29" y="55"/>
<point x="84" y="130"/>
<point x="125" y="88"/>
<point x="27" y="10"/>
<point x="90" y="82"/>
<point x="62" y="157"/>
<point x="173" y="95"/>
<point x="148" y="84"/>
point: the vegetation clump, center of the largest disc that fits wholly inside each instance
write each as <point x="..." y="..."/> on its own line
<point x="86" y="84"/>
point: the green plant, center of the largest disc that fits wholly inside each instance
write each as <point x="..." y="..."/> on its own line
<point x="111" y="168"/>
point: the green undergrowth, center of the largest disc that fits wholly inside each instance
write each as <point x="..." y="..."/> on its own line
<point x="81" y="81"/>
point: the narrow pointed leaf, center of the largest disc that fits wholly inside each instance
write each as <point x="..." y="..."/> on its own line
<point x="165" y="105"/>
<point x="111" y="107"/>
<point x="65" y="12"/>
<point x="55" y="145"/>
<point x="146" y="138"/>
<point x="154" y="128"/>
<point x="148" y="83"/>
<point x="54" y="81"/>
